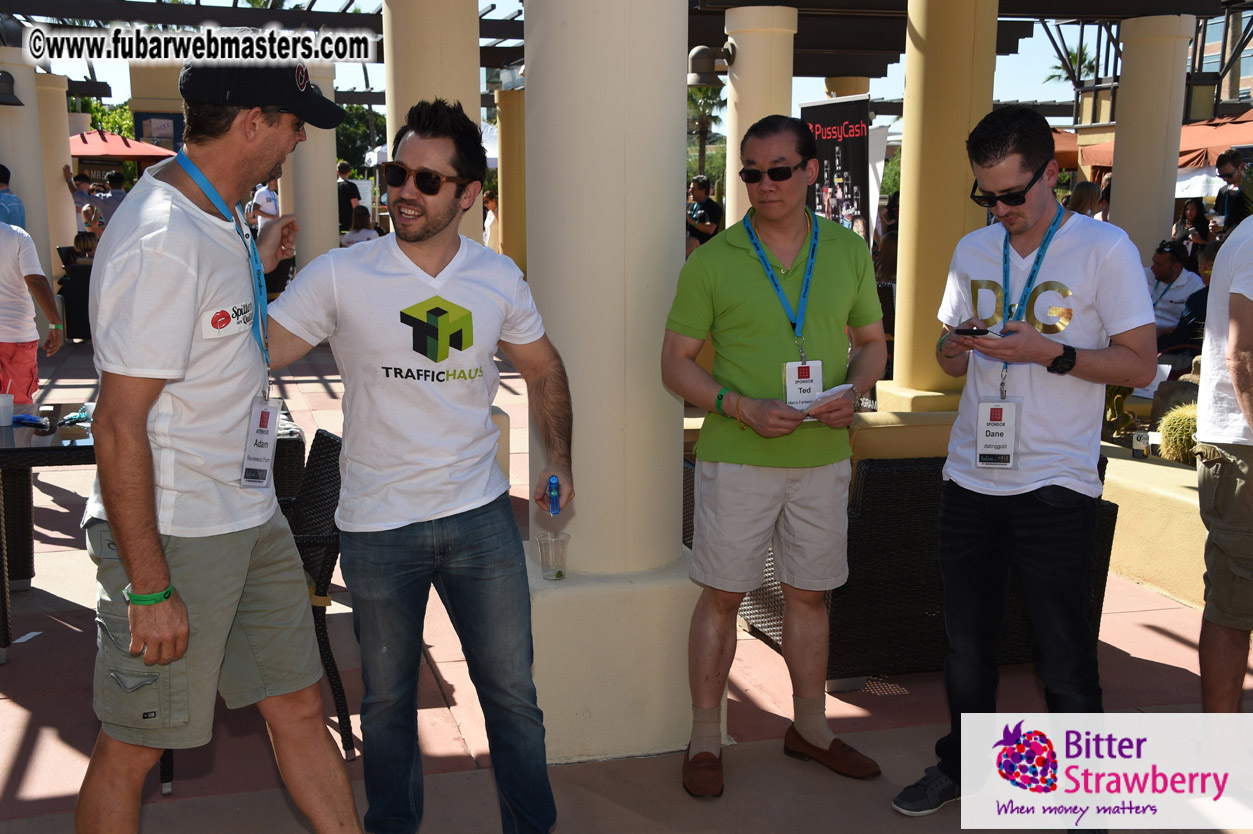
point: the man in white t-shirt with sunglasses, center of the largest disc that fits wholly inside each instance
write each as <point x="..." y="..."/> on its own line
<point x="414" y="320"/>
<point x="1061" y="300"/>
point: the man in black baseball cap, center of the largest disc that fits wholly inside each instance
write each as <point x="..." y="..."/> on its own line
<point x="200" y="586"/>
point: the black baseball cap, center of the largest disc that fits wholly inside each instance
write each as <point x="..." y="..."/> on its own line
<point x="270" y="85"/>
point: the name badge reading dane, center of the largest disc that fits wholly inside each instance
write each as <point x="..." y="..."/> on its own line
<point x="996" y="433"/>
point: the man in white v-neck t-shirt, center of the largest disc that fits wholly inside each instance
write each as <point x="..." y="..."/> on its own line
<point x="414" y="320"/>
<point x="1020" y="484"/>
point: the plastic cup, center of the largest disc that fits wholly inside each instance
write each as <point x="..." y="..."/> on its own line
<point x="552" y="553"/>
<point x="6" y="409"/>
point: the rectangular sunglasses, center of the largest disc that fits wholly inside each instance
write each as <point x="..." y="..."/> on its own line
<point x="428" y="182"/>
<point x="779" y="174"/>
<point x="1016" y="198"/>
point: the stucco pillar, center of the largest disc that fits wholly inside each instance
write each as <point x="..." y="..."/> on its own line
<point x="54" y="136"/>
<point x="21" y="149"/>
<point x="951" y="54"/>
<point x="511" y="168"/>
<point x="610" y="639"/>
<point x="1146" y="136"/>
<point x="759" y="83"/>
<point x="431" y="50"/>
<point x="312" y="181"/>
<point x="847" y="85"/>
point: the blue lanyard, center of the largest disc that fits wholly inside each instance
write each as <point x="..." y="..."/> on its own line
<point x="797" y="319"/>
<point x="1018" y="313"/>
<point x="254" y="260"/>
<point x="1160" y="295"/>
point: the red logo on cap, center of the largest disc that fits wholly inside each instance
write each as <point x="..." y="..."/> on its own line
<point x="220" y="319"/>
<point x="802" y="372"/>
<point x="995" y="416"/>
<point x="302" y="77"/>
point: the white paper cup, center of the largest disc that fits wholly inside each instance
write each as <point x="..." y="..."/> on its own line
<point x="552" y="553"/>
<point x="6" y="409"/>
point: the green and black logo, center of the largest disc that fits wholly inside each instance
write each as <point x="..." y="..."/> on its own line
<point x="437" y="326"/>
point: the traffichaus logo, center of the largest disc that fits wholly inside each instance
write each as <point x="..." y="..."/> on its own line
<point x="1121" y="770"/>
<point x="439" y="325"/>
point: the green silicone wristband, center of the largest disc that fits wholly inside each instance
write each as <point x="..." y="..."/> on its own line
<point x="57" y="326"/>
<point x="147" y="599"/>
<point x="718" y="402"/>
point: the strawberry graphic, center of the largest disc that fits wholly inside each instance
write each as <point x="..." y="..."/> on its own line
<point x="1027" y="760"/>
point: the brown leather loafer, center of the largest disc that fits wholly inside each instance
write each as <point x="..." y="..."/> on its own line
<point x="839" y="757"/>
<point x="702" y="774"/>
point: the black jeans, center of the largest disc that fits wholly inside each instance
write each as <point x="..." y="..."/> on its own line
<point x="1048" y="539"/>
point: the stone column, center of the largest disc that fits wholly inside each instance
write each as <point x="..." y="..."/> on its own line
<point x="1146" y="136"/>
<point x="431" y="50"/>
<point x="21" y="149"/>
<point x="610" y="639"/>
<point x="759" y="83"/>
<point x="312" y="181"/>
<point x="54" y="137"/>
<point x="951" y="55"/>
<point x="511" y="125"/>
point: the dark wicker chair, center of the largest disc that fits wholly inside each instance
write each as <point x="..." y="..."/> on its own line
<point x="889" y="619"/>
<point x="311" y="514"/>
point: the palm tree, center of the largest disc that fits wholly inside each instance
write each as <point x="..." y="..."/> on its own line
<point x="702" y="106"/>
<point x="1083" y="64"/>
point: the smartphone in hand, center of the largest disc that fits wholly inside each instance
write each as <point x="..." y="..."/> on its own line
<point x="976" y="331"/>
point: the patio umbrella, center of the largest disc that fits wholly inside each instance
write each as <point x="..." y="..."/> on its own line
<point x="100" y="144"/>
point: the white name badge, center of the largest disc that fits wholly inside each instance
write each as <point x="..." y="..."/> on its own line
<point x="259" y="448"/>
<point x="996" y="433"/>
<point x="802" y="382"/>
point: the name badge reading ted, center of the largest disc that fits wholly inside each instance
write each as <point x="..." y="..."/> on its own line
<point x="802" y="382"/>
<point x="262" y="437"/>
<point x="996" y="433"/>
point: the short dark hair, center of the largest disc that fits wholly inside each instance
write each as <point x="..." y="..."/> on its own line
<point x="1231" y="157"/>
<point x="115" y="179"/>
<point x="343" y="167"/>
<point x="204" y="122"/>
<point x="440" y="119"/>
<point x="489" y="195"/>
<point x="702" y="182"/>
<point x="806" y="146"/>
<point x="1010" y="130"/>
<point x="81" y="177"/>
<point x="1175" y="248"/>
<point x="4" y="174"/>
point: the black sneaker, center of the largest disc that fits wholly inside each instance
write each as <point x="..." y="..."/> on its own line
<point x="928" y="795"/>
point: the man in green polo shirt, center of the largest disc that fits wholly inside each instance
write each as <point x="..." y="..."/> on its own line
<point x="780" y="298"/>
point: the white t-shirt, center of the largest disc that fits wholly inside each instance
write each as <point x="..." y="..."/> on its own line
<point x="416" y="356"/>
<point x="1090" y="287"/>
<point x="172" y="298"/>
<point x="491" y="232"/>
<point x="1218" y="417"/>
<point x="1168" y="299"/>
<point x="266" y="203"/>
<point x="359" y="236"/>
<point x="18" y="259"/>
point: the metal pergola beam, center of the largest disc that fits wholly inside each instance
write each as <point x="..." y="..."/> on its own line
<point x="1055" y="9"/>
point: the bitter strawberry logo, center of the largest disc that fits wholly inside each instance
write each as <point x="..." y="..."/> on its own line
<point x="220" y="319"/>
<point x="1027" y="760"/>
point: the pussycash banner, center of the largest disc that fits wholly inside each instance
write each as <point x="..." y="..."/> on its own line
<point x="841" y="127"/>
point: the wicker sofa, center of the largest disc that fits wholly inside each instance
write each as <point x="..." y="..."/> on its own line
<point x="888" y="618"/>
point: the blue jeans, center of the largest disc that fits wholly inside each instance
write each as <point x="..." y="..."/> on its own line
<point x="476" y="563"/>
<point x="1047" y="537"/>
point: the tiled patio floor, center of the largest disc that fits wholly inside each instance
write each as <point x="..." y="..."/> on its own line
<point x="1148" y="662"/>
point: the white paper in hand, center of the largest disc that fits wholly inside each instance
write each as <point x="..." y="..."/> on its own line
<point x="837" y="391"/>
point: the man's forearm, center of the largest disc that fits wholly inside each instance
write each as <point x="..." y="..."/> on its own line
<point x="866" y="365"/>
<point x="550" y="408"/>
<point x="124" y="465"/>
<point x="43" y="296"/>
<point x="1240" y="365"/>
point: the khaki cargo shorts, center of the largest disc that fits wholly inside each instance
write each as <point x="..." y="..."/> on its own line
<point x="1225" y="485"/>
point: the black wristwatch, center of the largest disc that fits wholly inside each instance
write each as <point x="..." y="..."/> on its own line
<point x="1065" y="363"/>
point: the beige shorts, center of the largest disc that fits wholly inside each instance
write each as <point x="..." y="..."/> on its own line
<point x="251" y="634"/>
<point x="1225" y="487"/>
<point x="742" y="510"/>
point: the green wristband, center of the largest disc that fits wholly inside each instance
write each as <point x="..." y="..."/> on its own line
<point x="57" y="326"/>
<point x="718" y="402"/>
<point x="147" y="599"/>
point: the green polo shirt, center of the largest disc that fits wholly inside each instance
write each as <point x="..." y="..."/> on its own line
<point x="724" y="292"/>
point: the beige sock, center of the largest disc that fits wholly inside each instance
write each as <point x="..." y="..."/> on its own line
<point x="810" y="718"/>
<point x="706" y="730"/>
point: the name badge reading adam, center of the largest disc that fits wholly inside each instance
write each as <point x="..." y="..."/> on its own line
<point x="996" y="433"/>
<point x="802" y="382"/>
<point x="259" y="450"/>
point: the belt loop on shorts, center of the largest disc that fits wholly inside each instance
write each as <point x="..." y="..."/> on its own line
<point x="1207" y="451"/>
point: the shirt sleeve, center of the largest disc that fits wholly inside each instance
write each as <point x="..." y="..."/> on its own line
<point x="27" y="256"/>
<point x="866" y="308"/>
<point x="1242" y="280"/>
<point x="308" y="306"/>
<point x="691" y="312"/>
<point x="522" y="324"/>
<point x="1122" y="298"/>
<point x="956" y="306"/>
<point x="713" y="212"/>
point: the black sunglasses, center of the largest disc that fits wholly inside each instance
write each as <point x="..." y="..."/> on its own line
<point x="428" y="182"/>
<point x="1227" y="177"/>
<point x="1016" y="198"/>
<point x="779" y="174"/>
